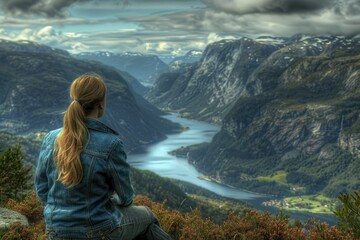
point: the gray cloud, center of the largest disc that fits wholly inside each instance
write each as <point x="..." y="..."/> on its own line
<point x="52" y="8"/>
<point x="242" y="7"/>
<point x="145" y="41"/>
<point x="326" y="22"/>
<point x="58" y="8"/>
<point x="353" y="8"/>
<point x="176" y="32"/>
<point x="17" y="23"/>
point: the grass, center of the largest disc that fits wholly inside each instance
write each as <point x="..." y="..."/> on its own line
<point x="222" y="204"/>
<point x="311" y="203"/>
<point x="279" y="177"/>
<point x="315" y="204"/>
<point x="3" y="231"/>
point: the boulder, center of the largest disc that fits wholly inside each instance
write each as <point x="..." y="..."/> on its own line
<point x="8" y="217"/>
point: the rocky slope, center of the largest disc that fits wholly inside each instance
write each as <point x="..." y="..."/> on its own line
<point x="34" y="93"/>
<point x="284" y="104"/>
<point x="145" y="68"/>
<point x="230" y="69"/>
<point x="207" y="89"/>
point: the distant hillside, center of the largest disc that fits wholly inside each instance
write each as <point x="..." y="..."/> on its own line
<point x="184" y="197"/>
<point x="34" y="93"/>
<point x="190" y="57"/>
<point x="31" y="47"/>
<point x="285" y="104"/>
<point x="145" y="68"/>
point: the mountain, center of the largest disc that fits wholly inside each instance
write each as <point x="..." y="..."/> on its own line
<point x="145" y="68"/>
<point x="286" y="105"/>
<point x="230" y="69"/>
<point x="190" y="57"/>
<point x="208" y="88"/>
<point x="28" y="46"/>
<point x="34" y="93"/>
<point x="134" y="84"/>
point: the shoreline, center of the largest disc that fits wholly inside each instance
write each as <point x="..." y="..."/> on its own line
<point x="211" y="179"/>
<point x="255" y="202"/>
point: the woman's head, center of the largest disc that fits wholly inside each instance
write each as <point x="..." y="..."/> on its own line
<point x="88" y="90"/>
<point x="88" y="98"/>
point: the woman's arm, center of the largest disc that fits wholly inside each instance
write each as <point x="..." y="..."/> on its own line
<point x="120" y="174"/>
<point x="41" y="180"/>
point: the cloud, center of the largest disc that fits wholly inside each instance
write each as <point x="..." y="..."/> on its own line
<point x="59" y="8"/>
<point x="20" y="23"/>
<point x="177" y="31"/>
<point x="352" y="8"/>
<point x="241" y="7"/>
<point x="126" y="40"/>
<point x="47" y="31"/>
<point x="49" y="8"/>
<point x="213" y="20"/>
<point x="214" y="37"/>
<point x="146" y="41"/>
<point x="47" y="36"/>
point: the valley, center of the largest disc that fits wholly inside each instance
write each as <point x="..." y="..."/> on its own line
<point x="288" y="112"/>
<point x="285" y="112"/>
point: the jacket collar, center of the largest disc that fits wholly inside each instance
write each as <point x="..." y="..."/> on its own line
<point x="95" y="124"/>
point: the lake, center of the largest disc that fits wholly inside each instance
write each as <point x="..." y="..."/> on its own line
<point x="155" y="157"/>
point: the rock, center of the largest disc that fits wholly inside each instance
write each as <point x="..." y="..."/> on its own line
<point x="7" y="217"/>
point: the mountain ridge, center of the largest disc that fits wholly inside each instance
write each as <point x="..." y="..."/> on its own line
<point x="144" y="67"/>
<point x="294" y="110"/>
<point x="26" y="107"/>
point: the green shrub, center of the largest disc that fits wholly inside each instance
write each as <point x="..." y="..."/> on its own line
<point x="14" y="175"/>
<point x="349" y="214"/>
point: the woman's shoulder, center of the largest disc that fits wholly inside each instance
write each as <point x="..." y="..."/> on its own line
<point x="103" y="137"/>
<point x="51" y="135"/>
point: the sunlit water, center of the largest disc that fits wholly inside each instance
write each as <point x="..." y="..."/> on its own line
<point x="156" y="158"/>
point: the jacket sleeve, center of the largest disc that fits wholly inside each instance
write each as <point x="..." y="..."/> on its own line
<point x="120" y="175"/>
<point x="41" y="180"/>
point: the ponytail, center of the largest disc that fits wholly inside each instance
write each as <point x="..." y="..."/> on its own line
<point x="86" y="91"/>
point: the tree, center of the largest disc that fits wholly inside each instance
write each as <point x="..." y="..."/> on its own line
<point x="14" y="175"/>
<point x="349" y="214"/>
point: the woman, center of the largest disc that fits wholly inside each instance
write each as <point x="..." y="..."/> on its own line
<point x="82" y="176"/>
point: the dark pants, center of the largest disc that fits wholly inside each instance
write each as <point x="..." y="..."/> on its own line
<point x="138" y="223"/>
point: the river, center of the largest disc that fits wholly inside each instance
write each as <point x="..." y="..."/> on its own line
<point x="155" y="158"/>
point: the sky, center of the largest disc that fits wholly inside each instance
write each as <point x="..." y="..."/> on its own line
<point x="169" y="27"/>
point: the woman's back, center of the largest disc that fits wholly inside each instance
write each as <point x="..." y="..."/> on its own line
<point x="87" y="204"/>
<point x="82" y="176"/>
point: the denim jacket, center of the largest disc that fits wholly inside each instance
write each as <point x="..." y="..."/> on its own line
<point x="87" y="210"/>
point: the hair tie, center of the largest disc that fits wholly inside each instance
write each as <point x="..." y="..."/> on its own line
<point x="76" y="100"/>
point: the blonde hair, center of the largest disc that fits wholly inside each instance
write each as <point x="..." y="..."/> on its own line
<point x="86" y="91"/>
